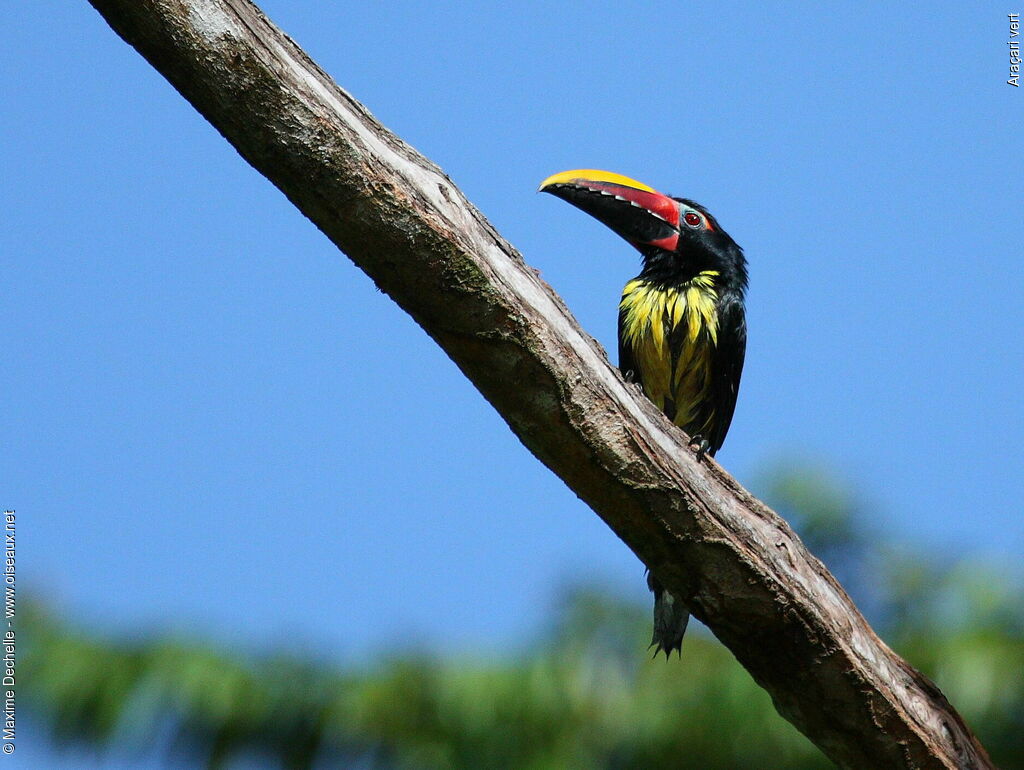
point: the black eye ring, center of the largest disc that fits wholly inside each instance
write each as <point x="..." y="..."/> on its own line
<point x="692" y="219"/>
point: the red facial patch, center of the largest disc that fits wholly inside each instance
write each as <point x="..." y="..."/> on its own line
<point x="671" y="243"/>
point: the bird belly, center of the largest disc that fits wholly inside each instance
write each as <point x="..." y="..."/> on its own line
<point x="672" y="334"/>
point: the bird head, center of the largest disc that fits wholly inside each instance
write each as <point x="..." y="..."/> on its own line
<point x="675" y="235"/>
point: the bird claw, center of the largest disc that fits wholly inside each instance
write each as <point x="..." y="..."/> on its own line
<point x="631" y="379"/>
<point x="702" y="444"/>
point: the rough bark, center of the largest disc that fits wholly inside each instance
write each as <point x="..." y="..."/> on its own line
<point x="398" y="217"/>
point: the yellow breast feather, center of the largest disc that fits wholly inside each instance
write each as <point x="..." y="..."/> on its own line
<point x="675" y="368"/>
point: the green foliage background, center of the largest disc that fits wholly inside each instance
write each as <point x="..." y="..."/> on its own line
<point x="583" y="695"/>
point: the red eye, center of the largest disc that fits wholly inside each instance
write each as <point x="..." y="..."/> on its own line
<point x="693" y="220"/>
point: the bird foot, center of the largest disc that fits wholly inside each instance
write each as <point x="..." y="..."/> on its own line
<point x="702" y="444"/>
<point x="631" y="379"/>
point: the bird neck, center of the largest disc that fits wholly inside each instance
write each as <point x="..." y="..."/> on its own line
<point x="667" y="269"/>
<point x="670" y="269"/>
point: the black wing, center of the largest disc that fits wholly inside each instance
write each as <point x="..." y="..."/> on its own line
<point x="727" y="366"/>
<point x="627" y="364"/>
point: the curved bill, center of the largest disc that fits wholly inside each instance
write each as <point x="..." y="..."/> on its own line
<point x="640" y="214"/>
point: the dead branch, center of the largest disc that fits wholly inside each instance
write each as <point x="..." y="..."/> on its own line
<point x="398" y="217"/>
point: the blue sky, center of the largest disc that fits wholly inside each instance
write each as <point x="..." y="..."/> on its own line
<point x="213" y="422"/>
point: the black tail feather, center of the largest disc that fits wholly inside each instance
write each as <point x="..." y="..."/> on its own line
<point x="671" y="616"/>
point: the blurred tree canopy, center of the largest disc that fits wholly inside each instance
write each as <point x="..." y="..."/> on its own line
<point x="583" y="695"/>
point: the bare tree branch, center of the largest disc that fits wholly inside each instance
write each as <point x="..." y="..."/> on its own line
<point x="398" y="217"/>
